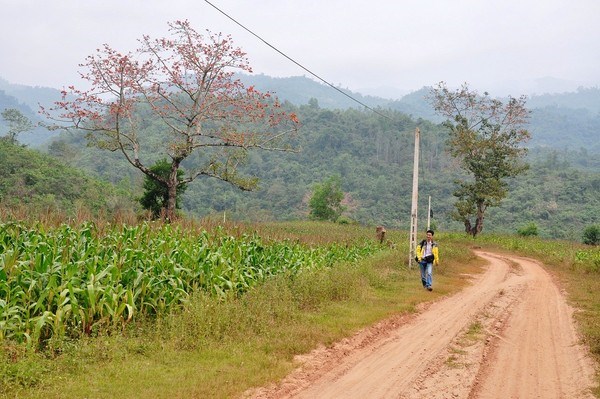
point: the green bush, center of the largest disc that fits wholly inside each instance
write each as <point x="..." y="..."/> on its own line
<point x="528" y="230"/>
<point x="156" y="193"/>
<point x="591" y="235"/>
<point x="326" y="201"/>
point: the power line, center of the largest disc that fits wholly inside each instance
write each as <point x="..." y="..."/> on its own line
<point x="295" y="62"/>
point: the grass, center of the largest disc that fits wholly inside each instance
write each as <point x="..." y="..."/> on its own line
<point x="219" y="348"/>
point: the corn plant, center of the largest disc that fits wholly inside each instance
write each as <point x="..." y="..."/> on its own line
<point x="70" y="281"/>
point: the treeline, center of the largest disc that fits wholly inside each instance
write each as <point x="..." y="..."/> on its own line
<point x="32" y="183"/>
<point x="373" y="156"/>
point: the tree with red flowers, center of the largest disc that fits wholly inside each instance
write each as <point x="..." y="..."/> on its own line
<point x="184" y="83"/>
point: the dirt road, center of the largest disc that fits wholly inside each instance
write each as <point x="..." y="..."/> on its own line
<point x="509" y="335"/>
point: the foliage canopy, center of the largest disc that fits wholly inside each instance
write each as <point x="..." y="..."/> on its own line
<point x="591" y="235"/>
<point x="326" y="201"/>
<point x="186" y="82"/>
<point x="485" y="136"/>
<point x="156" y="194"/>
<point x="17" y="123"/>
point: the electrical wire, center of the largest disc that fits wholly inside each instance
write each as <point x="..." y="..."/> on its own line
<point x="297" y="63"/>
<point x="307" y="70"/>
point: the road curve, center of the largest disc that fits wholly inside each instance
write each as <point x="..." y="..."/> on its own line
<point x="509" y="335"/>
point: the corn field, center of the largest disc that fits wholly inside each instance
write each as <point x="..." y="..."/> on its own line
<point x="70" y="281"/>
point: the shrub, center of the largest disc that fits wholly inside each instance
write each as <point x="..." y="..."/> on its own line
<point x="326" y="201"/>
<point x="156" y="195"/>
<point x="591" y="235"/>
<point x="528" y="230"/>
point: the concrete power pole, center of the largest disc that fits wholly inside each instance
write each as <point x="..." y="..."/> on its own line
<point x="429" y="214"/>
<point x="415" y="200"/>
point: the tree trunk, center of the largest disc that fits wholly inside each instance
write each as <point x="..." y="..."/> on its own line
<point x="479" y="220"/>
<point x="478" y="227"/>
<point x="172" y="190"/>
<point x="467" y="223"/>
<point x="171" y="202"/>
<point x="478" y="224"/>
<point x="473" y="230"/>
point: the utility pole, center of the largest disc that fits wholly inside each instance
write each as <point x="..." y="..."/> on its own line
<point x="415" y="199"/>
<point x="429" y="214"/>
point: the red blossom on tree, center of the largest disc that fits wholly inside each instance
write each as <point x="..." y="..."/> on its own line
<point x="187" y="82"/>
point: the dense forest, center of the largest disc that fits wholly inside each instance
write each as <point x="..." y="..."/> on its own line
<point x="373" y="155"/>
<point x="32" y="179"/>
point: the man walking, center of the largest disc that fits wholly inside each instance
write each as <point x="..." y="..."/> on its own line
<point x="427" y="256"/>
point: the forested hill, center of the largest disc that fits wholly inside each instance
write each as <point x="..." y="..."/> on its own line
<point x="27" y="100"/>
<point x="564" y="121"/>
<point x="299" y="90"/>
<point x="40" y="182"/>
<point x="373" y="156"/>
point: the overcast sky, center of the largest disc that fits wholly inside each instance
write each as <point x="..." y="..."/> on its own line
<point x="500" y="46"/>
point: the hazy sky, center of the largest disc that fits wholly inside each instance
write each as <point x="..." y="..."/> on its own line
<point x="502" y="46"/>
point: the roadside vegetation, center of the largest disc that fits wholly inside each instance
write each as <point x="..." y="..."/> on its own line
<point x="218" y="343"/>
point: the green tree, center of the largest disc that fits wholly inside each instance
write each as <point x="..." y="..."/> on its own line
<point x="528" y="230"/>
<point x="485" y="136"/>
<point x="326" y="201"/>
<point x="591" y="235"/>
<point x="185" y="84"/>
<point x="17" y="123"/>
<point x="156" y="193"/>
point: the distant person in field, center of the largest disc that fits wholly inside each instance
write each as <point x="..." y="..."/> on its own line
<point x="427" y="256"/>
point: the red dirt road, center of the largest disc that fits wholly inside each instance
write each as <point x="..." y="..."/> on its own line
<point x="508" y="335"/>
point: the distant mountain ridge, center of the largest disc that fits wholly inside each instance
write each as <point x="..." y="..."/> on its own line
<point x="28" y="99"/>
<point x="30" y="96"/>
<point x="552" y="117"/>
<point x="299" y="90"/>
<point x="563" y="120"/>
<point x="583" y="98"/>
